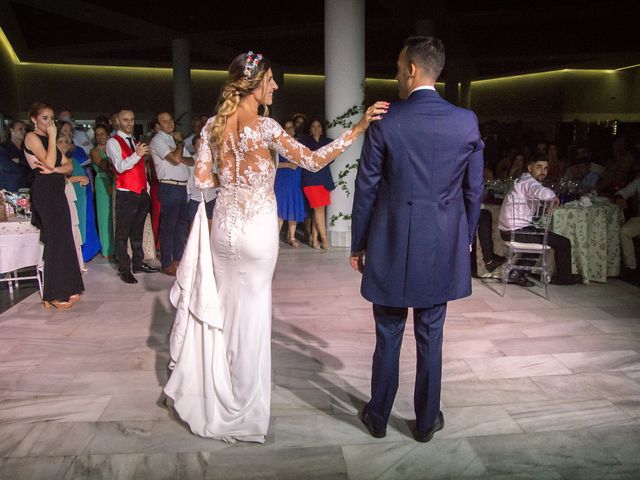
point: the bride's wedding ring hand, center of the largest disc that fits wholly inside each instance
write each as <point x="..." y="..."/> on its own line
<point x="373" y="113"/>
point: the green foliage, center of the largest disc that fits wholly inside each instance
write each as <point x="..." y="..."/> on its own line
<point x="344" y="173"/>
<point x="335" y="218"/>
<point x="345" y="120"/>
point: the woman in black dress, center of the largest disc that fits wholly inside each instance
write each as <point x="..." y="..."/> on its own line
<point x="50" y="210"/>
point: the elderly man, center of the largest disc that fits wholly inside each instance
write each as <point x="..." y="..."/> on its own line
<point x="172" y="169"/>
<point x="529" y="186"/>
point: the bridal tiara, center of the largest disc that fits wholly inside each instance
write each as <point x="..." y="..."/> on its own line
<point x="251" y="64"/>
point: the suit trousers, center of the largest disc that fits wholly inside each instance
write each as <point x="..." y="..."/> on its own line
<point x="428" y="324"/>
<point x="131" y="213"/>
<point x="561" y="248"/>
<point x="174" y="222"/>
<point x="628" y="231"/>
<point x="485" y="232"/>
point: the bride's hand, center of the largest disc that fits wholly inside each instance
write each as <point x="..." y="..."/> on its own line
<point x="373" y="113"/>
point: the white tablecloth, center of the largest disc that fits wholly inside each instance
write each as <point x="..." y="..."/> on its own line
<point x="19" y="245"/>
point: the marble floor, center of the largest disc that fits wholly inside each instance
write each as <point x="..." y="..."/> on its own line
<point x="533" y="389"/>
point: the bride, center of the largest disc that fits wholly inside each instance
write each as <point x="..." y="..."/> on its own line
<point x="221" y="354"/>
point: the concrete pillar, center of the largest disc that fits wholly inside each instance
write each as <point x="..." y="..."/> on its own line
<point x="344" y="74"/>
<point x="181" y="85"/>
<point x="277" y="109"/>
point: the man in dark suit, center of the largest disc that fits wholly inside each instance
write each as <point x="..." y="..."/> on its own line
<point x="415" y="211"/>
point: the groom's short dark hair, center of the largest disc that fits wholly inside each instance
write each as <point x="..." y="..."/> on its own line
<point x="427" y="53"/>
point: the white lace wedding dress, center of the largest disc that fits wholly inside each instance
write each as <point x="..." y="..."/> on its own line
<point x="221" y="380"/>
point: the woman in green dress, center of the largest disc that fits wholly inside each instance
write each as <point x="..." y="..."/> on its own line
<point x="103" y="187"/>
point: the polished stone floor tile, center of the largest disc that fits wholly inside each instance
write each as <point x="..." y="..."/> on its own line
<point x="119" y="437"/>
<point x="326" y="430"/>
<point x="461" y="422"/>
<point x="54" y="439"/>
<point x="587" y="385"/>
<point x="35" y="468"/>
<point x="567" y="415"/>
<point x="544" y="454"/>
<point x="58" y="408"/>
<point x="623" y="442"/>
<point x="438" y="459"/>
<point x="517" y="366"/>
<point x="315" y="463"/>
<point x="491" y="392"/>
<point x="623" y="361"/>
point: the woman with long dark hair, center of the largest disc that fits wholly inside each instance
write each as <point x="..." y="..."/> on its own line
<point x="50" y="210"/>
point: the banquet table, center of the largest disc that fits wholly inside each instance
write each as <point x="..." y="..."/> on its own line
<point x="20" y="247"/>
<point x="594" y="232"/>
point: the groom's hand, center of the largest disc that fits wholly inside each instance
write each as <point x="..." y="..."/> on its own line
<point x="356" y="259"/>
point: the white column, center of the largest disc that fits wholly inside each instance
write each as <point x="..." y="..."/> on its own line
<point x="344" y="74"/>
<point x="181" y="85"/>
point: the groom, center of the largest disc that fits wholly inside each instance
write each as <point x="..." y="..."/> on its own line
<point x="415" y="212"/>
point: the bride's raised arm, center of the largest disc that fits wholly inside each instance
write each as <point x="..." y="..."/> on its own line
<point x="311" y="160"/>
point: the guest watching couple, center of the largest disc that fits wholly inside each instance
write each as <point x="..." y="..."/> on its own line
<point x="172" y="170"/>
<point x="317" y="186"/>
<point x="65" y="145"/>
<point x="132" y="199"/>
<point x="14" y="170"/>
<point x="50" y="210"/>
<point x="289" y="194"/>
<point x="529" y="186"/>
<point x="631" y="228"/>
<point x="104" y="189"/>
<point x="197" y="195"/>
<point x="84" y="195"/>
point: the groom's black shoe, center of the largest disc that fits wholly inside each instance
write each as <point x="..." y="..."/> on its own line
<point x="424" y="437"/>
<point x="364" y="416"/>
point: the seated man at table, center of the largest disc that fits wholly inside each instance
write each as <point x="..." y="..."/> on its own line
<point x="528" y="186"/>
<point x="629" y="230"/>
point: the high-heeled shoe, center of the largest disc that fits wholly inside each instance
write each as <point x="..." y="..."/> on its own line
<point x="58" y="304"/>
<point x="294" y="243"/>
<point x="315" y="245"/>
<point x="74" y="298"/>
<point x="324" y="243"/>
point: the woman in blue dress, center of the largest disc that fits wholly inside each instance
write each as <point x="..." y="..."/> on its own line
<point x="86" y="211"/>
<point x="289" y="193"/>
<point x="317" y="186"/>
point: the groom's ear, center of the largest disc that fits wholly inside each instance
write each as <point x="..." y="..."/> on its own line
<point x="412" y="69"/>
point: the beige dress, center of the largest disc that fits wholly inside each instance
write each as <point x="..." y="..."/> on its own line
<point x="75" y="221"/>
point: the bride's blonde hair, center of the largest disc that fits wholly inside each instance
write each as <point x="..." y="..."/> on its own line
<point x="246" y="74"/>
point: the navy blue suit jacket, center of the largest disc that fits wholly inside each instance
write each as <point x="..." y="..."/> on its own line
<point x="417" y="202"/>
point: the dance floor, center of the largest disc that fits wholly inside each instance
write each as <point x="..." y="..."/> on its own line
<point x="532" y="388"/>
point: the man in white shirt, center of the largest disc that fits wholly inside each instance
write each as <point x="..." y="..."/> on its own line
<point x="196" y="127"/>
<point x="630" y="229"/>
<point x="172" y="169"/>
<point x="132" y="199"/>
<point x="80" y="137"/>
<point x="196" y="194"/>
<point x="529" y="186"/>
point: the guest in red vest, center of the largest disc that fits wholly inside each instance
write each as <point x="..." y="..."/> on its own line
<point x="132" y="199"/>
